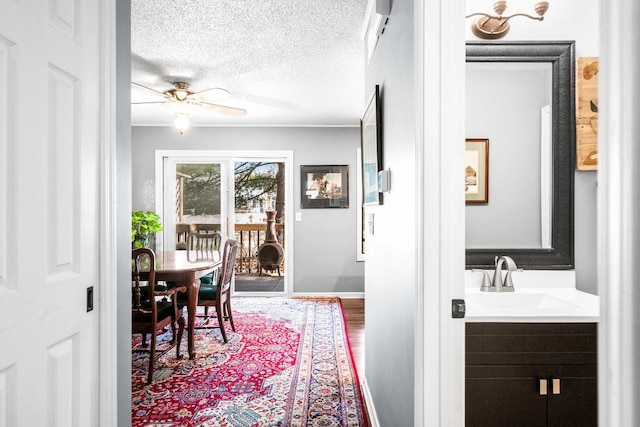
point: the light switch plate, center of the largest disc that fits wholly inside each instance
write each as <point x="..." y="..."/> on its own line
<point x="384" y="181"/>
<point x="298" y="216"/>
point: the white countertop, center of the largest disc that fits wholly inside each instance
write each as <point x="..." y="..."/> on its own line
<point x="537" y="298"/>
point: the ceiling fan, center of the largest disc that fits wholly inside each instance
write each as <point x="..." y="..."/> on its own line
<point x="182" y="103"/>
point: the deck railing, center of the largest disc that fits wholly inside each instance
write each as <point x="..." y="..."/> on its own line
<point x="248" y="236"/>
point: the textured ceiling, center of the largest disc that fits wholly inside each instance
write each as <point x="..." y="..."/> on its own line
<point x="287" y="62"/>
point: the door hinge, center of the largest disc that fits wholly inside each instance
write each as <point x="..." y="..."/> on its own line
<point x="458" y="308"/>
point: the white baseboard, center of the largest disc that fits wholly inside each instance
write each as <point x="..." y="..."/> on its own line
<point x="343" y="295"/>
<point x="368" y="400"/>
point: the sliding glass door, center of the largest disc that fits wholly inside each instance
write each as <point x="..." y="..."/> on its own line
<point x="194" y="199"/>
<point x="259" y="224"/>
<point x="242" y="197"/>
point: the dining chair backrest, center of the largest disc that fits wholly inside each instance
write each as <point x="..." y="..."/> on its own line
<point x="143" y="260"/>
<point x="182" y="231"/>
<point x="228" y="265"/>
<point x="153" y="309"/>
<point x="203" y="245"/>
<point x="205" y="228"/>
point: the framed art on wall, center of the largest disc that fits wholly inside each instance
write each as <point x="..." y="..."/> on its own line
<point x="587" y="113"/>
<point x="324" y="186"/>
<point x="371" y="144"/>
<point x="476" y="170"/>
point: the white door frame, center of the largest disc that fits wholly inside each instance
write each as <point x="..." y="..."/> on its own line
<point x="439" y="76"/>
<point x="232" y="157"/>
<point x="618" y="213"/>
<point x="109" y="273"/>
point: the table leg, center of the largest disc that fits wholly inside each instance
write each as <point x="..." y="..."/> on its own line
<point x="192" y="306"/>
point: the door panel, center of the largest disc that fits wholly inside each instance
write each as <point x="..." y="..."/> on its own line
<point x="194" y="198"/>
<point x="575" y="402"/>
<point x="504" y="396"/>
<point x="49" y="187"/>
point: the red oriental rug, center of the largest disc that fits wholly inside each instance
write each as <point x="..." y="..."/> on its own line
<point x="288" y="364"/>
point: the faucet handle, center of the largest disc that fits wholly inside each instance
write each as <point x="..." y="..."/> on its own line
<point x="508" y="280"/>
<point x="486" y="280"/>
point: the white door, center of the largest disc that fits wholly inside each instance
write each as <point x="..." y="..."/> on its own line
<point x="49" y="138"/>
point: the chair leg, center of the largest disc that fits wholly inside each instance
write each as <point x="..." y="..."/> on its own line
<point x="219" y="309"/>
<point x="173" y="331"/>
<point x="180" y="332"/>
<point x="152" y="358"/>
<point x="144" y="340"/>
<point x="227" y="306"/>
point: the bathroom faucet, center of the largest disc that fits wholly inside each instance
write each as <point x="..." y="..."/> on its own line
<point x="497" y="285"/>
<point x="507" y="285"/>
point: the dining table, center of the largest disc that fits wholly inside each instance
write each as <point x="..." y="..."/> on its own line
<point x="185" y="268"/>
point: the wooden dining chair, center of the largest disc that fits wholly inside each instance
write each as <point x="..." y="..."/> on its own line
<point x="204" y="246"/>
<point x="152" y="310"/>
<point x="182" y="231"/>
<point x="218" y="294"/>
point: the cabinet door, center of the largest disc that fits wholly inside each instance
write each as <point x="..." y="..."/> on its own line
<point x="576" y="400"/>
<point x="506" y="396"/>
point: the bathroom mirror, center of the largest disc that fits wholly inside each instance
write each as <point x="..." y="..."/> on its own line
<point x="529" y="213"/>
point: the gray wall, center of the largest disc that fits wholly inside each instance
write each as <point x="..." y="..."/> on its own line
<point x="324" y="242"/>
<point x="512" y="124"/>
<point x="123" y="213"/>
<point x="390" y="251"/>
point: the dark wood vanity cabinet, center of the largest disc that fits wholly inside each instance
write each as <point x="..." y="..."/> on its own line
<point x="531" y="374"/>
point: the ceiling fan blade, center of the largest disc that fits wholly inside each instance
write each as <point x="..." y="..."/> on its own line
<point x="225" y="109"/>
<point x="151" y="103"/>
<point x="148" y="88"/>
<point x="221" y="92"/>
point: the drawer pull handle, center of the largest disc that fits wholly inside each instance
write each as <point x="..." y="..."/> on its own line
<point x="555" y="385"/>
<point x="543" y="386"/>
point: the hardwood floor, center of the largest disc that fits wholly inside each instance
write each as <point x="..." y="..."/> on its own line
<point x="354" y="316"/>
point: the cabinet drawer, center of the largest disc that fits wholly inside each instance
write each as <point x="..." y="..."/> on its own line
<point x="531" y="343"/>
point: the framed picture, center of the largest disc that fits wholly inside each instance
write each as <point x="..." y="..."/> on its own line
<point x="476" y="171"/>
<point x="587" y="113"/>
<point x="371" y="140"/>
<point x="360" y="211"/>
<point x="324" y="186"/>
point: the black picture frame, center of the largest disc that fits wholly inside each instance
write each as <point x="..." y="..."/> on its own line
<point x="324" y="186"/>
<point x="371" y="146"/>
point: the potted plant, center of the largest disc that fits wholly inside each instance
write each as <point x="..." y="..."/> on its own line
<point x="143" y="226"/>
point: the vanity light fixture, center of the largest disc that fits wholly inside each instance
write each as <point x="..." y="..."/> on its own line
<point x="491" y="27"/>
<point x="181" y="121"/>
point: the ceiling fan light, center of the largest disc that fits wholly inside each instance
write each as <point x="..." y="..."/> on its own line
<point x="181" y="121"/>
<point x="180" y="94"/>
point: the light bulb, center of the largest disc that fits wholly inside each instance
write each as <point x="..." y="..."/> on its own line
<point x="181" y="121"/>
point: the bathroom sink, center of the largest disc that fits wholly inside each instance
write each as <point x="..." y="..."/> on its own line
<point x="515" y="300"/>
<point x="538" y="297"/>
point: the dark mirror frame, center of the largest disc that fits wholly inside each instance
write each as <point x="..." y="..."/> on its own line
<point x="561" y="56"/>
